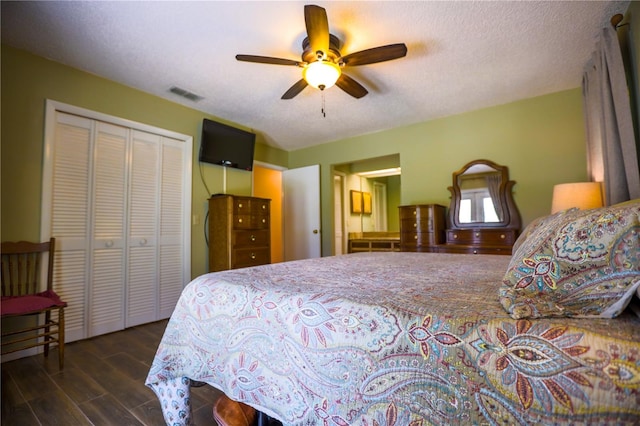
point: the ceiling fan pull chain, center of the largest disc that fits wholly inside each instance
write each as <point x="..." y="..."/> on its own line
<point x="324" y="112"/>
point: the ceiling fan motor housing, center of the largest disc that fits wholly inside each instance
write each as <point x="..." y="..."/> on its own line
<point x="308" y="55"/>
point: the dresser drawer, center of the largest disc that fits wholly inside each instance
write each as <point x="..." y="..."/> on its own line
<point x="250" y="206"/>
<point x="250" y="221"/>
<point x="466" y="249"/>
<point x="416" y="212"/>
<point x="251" y="238"/>
<point x="485" y="237"/>
<point x="419" y="224"/>
<point x="418" y="239"/>
<point x="245" y="257"/>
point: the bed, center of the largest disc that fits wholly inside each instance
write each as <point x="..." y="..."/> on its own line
<point x="422" y="338"/>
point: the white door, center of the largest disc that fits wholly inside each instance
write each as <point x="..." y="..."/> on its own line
<point x="117" y="200"/>
<point x="68" y="173"/>
<point x="301" y="213"/>
<point x="174" y="227"/>
<point x="108" y="251"/>
<point x="142" y="265"/>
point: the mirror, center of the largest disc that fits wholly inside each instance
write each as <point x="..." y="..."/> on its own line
<point x="481" y="197"/>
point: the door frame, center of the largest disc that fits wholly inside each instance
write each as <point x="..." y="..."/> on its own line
<point x="343" y="206"/>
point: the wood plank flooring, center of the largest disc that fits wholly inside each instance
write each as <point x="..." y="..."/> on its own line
<point x="102" y="384"/>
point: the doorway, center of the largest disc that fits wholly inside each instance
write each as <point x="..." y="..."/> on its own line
<point x="296" y="193"/>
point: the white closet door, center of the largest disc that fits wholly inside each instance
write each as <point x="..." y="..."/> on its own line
<point x="69" y="213"/>
<point x="172" y="220"/>
<point x="116" y="195"/>
<point x="106" y="292"/>
<point x="142" y="282"/>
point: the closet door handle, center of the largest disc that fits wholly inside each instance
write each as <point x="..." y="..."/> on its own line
<point x="143" y="241"/>
<point x="109" y="243"/>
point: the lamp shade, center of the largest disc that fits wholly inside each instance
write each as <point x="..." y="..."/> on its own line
<point x="321" y="74"/>
<point x="583" y="195"/>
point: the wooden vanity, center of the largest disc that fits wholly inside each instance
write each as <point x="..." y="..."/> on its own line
<point x="483" y="217"/>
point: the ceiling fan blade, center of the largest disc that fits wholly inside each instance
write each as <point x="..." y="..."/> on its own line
<point x="295" y="89"/>
<point x="267" y="60"/>
<point x="351" y="86"/>
<point x="315" y="17"/>
<point x="376" y="54"/>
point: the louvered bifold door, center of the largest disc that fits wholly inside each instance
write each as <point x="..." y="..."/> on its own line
<point x="70" y="213"/>
<point x="142" y="272"/>
<point x="172" y="221"/>
<point x="106" y="292"/>
<point x="116" y="196"/>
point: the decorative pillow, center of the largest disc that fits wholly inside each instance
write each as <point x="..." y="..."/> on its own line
<point x="537" y="223"/>
<point x="583" y="263"/>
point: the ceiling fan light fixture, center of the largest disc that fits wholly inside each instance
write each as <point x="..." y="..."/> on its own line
<point x="321" y="74"/>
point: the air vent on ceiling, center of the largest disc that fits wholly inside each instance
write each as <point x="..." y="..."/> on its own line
<point x="186" y="94"/>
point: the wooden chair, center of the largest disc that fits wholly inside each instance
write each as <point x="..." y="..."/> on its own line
<point x="23" y="295"/>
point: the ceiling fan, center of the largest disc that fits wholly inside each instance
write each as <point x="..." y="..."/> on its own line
<point x="322" y="62"/>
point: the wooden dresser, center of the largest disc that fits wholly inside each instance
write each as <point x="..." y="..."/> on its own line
<point x="480" y="241"/>
<point x="239" y="234"/>
<point x="422" y="227"/>
<point x="483" y="216"/>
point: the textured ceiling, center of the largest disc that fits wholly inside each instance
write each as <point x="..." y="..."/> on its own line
<point x="461" y="56"/>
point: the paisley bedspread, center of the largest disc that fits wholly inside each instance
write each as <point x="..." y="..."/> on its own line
<point x="401" y="339"/>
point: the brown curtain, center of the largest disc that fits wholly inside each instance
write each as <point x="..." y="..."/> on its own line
<point x="612" y="156"/>
<point x="493" y="183"/>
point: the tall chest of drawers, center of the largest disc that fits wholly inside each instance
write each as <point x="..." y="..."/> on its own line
<point x="239" y="233"/>
<point x="422" y="227"/>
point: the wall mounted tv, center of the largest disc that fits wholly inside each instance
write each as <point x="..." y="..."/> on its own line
<point x="226" y="146"/>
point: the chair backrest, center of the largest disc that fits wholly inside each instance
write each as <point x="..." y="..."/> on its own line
<point x="21" y="263"/>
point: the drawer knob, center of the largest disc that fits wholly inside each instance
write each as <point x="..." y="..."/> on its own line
<point x="253" y="256"/>
<point x="455" y="236"/>
<point x="239" y="205"/>
<point x="503" y="236"/>
<point x="415" y="212"/>
<point x="264" y="220"/>
<point x="239" y="220"/>
<point x="253" y="237"/>
<point x="415" y="225"/>
<point x="477" y="234"/>
<point x="415" y="237"/>
<point x="475" y="252"/>
<point x="264" y="207"/>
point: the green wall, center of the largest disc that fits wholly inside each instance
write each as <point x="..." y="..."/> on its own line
<point x="541" y="140"/>
<point x="28" y="80"/>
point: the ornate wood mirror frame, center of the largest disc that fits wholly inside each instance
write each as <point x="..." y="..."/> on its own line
<point x="482" y="179"/>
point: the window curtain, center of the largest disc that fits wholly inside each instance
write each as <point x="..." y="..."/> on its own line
<point x="612" y="156"/>
<point x="493" y="183"/>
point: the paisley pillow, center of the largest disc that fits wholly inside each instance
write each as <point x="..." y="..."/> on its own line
<point x="537" y="223"/>
<point x="583" y="263"/>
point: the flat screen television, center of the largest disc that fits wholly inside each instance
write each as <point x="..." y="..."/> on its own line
<point x="226" y="146"/>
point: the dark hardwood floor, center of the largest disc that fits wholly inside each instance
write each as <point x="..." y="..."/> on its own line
<point x="102" y="384"/>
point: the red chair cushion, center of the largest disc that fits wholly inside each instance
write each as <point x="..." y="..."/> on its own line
<point x="16" y="305"/>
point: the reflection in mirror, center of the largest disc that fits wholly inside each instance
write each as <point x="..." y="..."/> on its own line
<point x="481" y="197"/>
